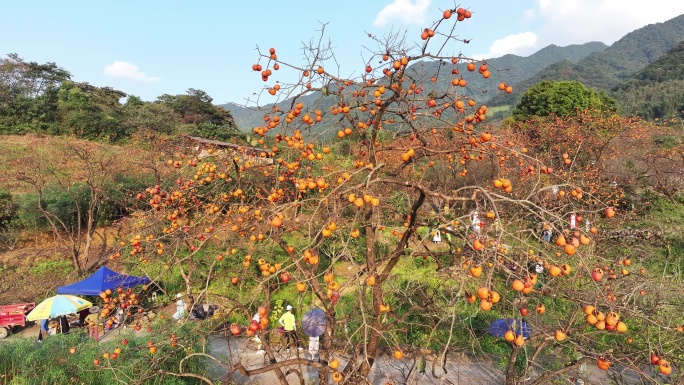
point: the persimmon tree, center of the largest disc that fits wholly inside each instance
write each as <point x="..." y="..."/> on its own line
<point x="363" y="170"/>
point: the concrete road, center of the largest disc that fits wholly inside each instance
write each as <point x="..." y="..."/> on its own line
<point x="385" y="370"/>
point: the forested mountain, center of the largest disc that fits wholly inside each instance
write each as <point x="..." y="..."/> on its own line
<point x="656" y="91"/>
<point x="594" y="64"/>
<point x="606" y="69"/>
<point x="512" y="68"/>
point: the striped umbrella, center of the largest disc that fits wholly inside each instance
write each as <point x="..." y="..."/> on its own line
<point x="57" y="306"/>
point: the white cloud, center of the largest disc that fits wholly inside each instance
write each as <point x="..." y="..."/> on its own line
<point x="565" y="22"/>
<point x="126" y="70"/>
<point x="529" y="15"/>
<point x="580" y="21"/>
<point x="404" y="10"/>
<point x="515" y="44"/>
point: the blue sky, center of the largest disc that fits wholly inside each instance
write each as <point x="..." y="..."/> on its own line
<point x="148" y="48"/>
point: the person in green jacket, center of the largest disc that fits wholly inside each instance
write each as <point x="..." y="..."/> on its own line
<point x="287" y="321"/>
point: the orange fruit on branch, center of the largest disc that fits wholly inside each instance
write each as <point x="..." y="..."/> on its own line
<point x="485" y="304"/>
<point x="569" y="249"/>
<point x="560" y="335"/>
<point x="603" y="363"/>
<point x="478" y="245"/>
<point x="664" y="367"/>
<point x="561" y="241"/>
<point x="518" y="285"/>
<point x="584" y="240"/>
<point x="476" y="271"/>
<point x="519" y="340"/>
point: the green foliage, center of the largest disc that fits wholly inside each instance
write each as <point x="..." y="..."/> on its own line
<point x="116" y="202"/>
<point x="57" y="202"/>
<point x="41" y="98"/>
<point x="8" y="209"/>
<point x="656" y="91"/>
<point x="155" y="117"/>
<point x="221" y="132"/>
<point x="26" y="361"/>
<point x="277" y="310"/>
<point x="28" y="93"/>
<point x="64" y="203"/>
<point x="90" y="112"/>
<point x="560" y="98"/>
<point x="58" y="267"/>
<point x="195" y="108"/>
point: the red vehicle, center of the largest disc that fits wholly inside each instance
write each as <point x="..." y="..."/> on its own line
<point x="12" y="316"/>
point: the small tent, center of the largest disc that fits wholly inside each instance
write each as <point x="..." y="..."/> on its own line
<point x="102" y="280"/>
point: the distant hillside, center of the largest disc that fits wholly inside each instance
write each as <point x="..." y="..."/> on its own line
<point x="248" y="118"/>
<point x="656" y="91"/>
<point x="518" y="68"/>
<point x="606" y="69"/>
<point x="509" y="68"/>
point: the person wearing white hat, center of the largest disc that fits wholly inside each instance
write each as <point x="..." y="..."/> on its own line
<point x="287" y="321"/>
<point x="93" y="321"/>
<point x="180" y="307"/>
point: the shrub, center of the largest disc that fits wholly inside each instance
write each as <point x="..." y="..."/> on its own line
<point x="8" y="209"/>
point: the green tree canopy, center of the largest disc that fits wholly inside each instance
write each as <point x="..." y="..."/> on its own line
<point x="90" y="112"/>
<point x="28" y="93"/>
<point x="200" y="116"/>
<point x="562" y="99"/>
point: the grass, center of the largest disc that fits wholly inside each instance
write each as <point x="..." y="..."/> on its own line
<point x="28" y="362"/>
<point x="498" y="109"/>
<point x="20" y="153"/>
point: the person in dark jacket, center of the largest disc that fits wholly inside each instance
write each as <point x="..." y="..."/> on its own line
<point x="63" y="325"/>
<point x="82" y="316"/>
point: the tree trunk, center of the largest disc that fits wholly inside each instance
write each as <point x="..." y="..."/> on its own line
<point x="376" y="329"/>
<point x="371" y="347"/>
<point x="510" y="368"/>
<point x="327" y="345"/>
<point x="74" y="260"/>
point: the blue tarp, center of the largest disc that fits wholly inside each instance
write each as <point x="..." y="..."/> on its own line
<point x="102" y="280"/>
<point x="499" y="327"/>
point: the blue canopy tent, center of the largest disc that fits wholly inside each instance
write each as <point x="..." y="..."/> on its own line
<point x="102" y="280"/>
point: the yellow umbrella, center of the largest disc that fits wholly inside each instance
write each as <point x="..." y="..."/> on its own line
<point x="57" y="306"/>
